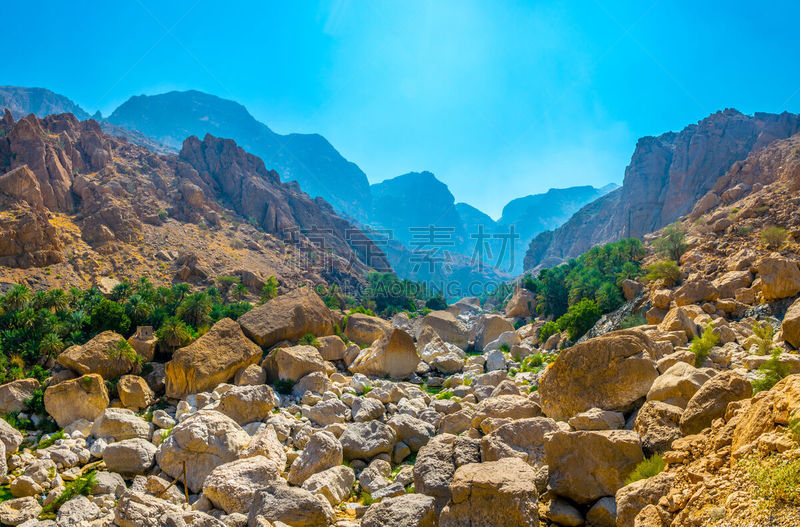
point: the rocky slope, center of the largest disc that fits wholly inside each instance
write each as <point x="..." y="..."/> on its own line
<point x="308" y="159"/>
<point x="666" y="177"/>
<point x="86" y="206"/>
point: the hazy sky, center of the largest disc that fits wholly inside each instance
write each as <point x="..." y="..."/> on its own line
<point x="498" y="99"/>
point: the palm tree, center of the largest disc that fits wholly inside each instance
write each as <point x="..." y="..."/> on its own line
<point x="137" y="309"/>
<point x="121" y="291"/>
<point x="50" y="345"/>
<point x="173" y="334"/>
<point x="17" y="297"/>
<point x="195" y="309"/>
<point x="180" y="290"/>
<point x="57" y="300"/>
<point x="239" y="291"/>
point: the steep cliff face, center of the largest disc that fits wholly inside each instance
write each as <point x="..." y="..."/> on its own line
<point x="92" y="205"/>
<point x="308" y="159"/>
<point x="667" y="175"/>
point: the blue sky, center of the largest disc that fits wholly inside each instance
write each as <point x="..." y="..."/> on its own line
<point x="499" y="99"/>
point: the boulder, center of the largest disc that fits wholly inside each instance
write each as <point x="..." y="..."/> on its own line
<point x="134" y="392"/>
<point x="364" y="329"/>
<point x="587" y="465"/>
<point x="247" y="404"/>
<point x="505" y="406"/>
<point x="562" y="513"/>
<point x="292" y="363"/>
<point x="138" y="509"/>
<point x="711" y="400"/>
<point x="658" y="424"/>
<point x="333" y="484"/>
<point x="14" y="394"/>
<point x="278" y="502"/>
<point x="523" y="438"/>
<point x="328" y="412"/>
<point x="437" y="462"/>
<point x="18" y="511"/>
<point x="597" y="419"/>
<point x="611" y="372"/>
<point x="203" y="441"/>
<point x="323" y="451"/>
<point x="603" y="513"/>
<point x="10" y="438"/>
<point x="780" y="277"/>
<point x="695" y="292"/>
<point x="634" y="497"/>
<point x="82" y="398"/>
<point x="678" y="384"/>
<point x="288" y="317"/>
<point x="252" y="375"/>
<point x="121" y="423"/>
<point x="480" y="490"/>
<point x="77" y="512"/>
<point x="130" y="456"/>
<point x="488" y="328"/>
<point x="367" y="409"/>
<point x="266" y="443"/>
<point x="332" y="348"/>
<point x="677" y="319"/>
<point x="412" y="431"/>
<point x="728" y="283"/>
<point x="104" y="355"/>
<point x="367" y="440"/>
<point x="522" y="304"/>
<point x="447" y="327"/>
<point x="394" y="354"/>
<point x="410" y="510"/>
<point x="232" y="486"/>
<point x="210" y="360"/>
<point x="631" y="288"/>
<point x="790" y="327"/>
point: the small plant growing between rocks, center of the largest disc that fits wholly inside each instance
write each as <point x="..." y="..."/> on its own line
<point x="647" y="469"/>
<point x="284" y="386"/>
<point x="762" y="337"/>
<point x="445" y="394"/>
<point x="309" y="340"/>
<point x="83" y="485"/>
<point x="367" y="388"/>
<point x="776" y="478"/>
<point x="672" y="244"/>
<point x="774" y="237"/>
<point x="633" y="321"/>
<point x="50" y="441"/>
<point x="548" y="329"/>
<point x="702" y="345"/>
<point x="666" y="270"/>
<point x="772" y="371"/>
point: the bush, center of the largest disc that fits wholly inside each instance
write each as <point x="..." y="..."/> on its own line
<point x="309" y="340"/>
<point x="608" y="297"/>
<point x="647" y="469"/>
<point x="762" y="337"/>
<point x="633" y="321"/>
<point x="83" y="485"/>
<point x="284" y="386"/>
<point x="666" y="271"/>
<point x="774" y="237"/>
<point x="777" y="480"/>
<point x="772" y="371"/>
<point x="270" y="289"/>
<point x="446" y="394"/>
<point x="108" y="315"/>
<point x="672" y="244"/>
<point x="702" y="345"/>
<point x="579" y="318"/>
<point x="436" y="303"/>
<point x="549" y="329"/>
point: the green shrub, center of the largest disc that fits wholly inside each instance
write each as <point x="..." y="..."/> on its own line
<point x="672" y="243"/>
<point x="702" y="345"/>
<point x="665" y="270"/>
<point x="647" y="469"/>
<point x="549" y="329"/>
<point x="772" y="371"/>
<point x="774" y="237"/>
<point x="608" y="297"/>
<point x="284" y="386"/>
<point x="83" y="485"/>
<point x="794" y="428"/>
<point x="505" y="348"/>
<point x="437" y="303"/>
<point x="579" y="319"/>
<point x="50" y="441"/>
<point x="309" y="340"/>
<point x="270" y="289"/>
<point x="445" y="394"/>
<point x="762" y="337"/>
<point x="777" y="480"/>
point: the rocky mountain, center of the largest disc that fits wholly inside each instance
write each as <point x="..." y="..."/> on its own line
<point x="308" y="159"/>
<point x="667" y="175"/>
<point x="88" y="206"/>
<point x="41" y="102"/>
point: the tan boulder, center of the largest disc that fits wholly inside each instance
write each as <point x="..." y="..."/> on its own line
<point x="210" y="360"/>
<point x="522" y="438"/>
<point x="658" y="424"/>
<point x="780" y="277"/>
<point x="134" y="392"/>
<point x="767" y="412"/>
<point x="292" y="363"/>
<point x="232" y="486"/>
<point x="202" y="442"/>
<point x="14" y="394"/>
<point x="522" y="304"/>
<point x="480" y="490"/>
<point x="144" y="342"/>
<point x="364" y="329"/>
<point x="332" y="348"/>
<point x="662" y="298"/>
<point x="489" y="327"/>
<point x="695" y="292"/>
<point x="678" y="319"/>
<point x="447" y="326"/>
<point x="678" y="384"/>
<point x="246" y="404"/>
<point x="82" y="398"/>
<point x="288" y="317"/>
<point x="711" y="400"/>
<point x="323" y="451"/>
<point x="394" y="354"/>
<point x="505" y="406"/>
<point x="728" y="283"/>
<point x="790" y="326"/>
<point x="631" y="499"/>
<point x="587" y="465"/>
<point x="631" y="288"/>
<point x="610" y="372"/>
<point x="104" y="355"/>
